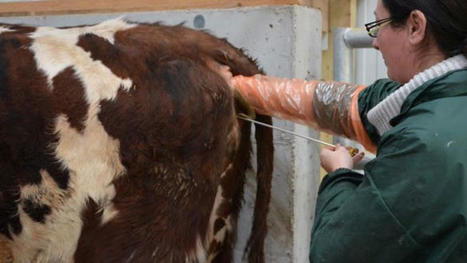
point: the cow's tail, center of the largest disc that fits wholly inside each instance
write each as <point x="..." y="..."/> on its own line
<point x="265" y="151"/>
<point x="240" y="64"/>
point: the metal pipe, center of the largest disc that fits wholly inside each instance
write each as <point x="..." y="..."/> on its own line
<point x="345" y="41"/>
<point x="343" y="57"/>
<point x="357" y="38"/>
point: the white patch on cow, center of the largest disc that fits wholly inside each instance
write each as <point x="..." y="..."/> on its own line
<point x="56" y="49"/>
<point x="199" y="255"/>
<point x="52" y="241"/>
<point x="107" y="29"/>
<point x="5" y="29"/>
<point x="47" y="192"/>
<point x="217" y="202"/>
<point x="92" y="158"/>
<point x="220" y="235"/>
<point x="91" y="155"/>
<point x="212" y="218"/>
<point x="109" y="210"/>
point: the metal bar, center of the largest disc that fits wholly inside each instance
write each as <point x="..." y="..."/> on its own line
<point x="343" y="57"/>
<point x="352" y="150"/>
<point x="345" y="41"/>
<point x="357" y="38"/>
<point x="286" y="131"/>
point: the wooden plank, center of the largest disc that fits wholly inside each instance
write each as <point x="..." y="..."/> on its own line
<point x="342" y="13"/>
<point x="111" y="6"/>
<point x="322" y="5"/>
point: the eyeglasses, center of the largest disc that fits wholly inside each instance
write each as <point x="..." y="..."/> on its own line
<point x="374" y="27"/>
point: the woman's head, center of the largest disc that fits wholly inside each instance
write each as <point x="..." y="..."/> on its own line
<point x="421" y="33"/>
<point x="446" y="21"/>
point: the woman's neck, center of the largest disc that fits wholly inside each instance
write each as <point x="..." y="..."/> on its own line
<point x="426" y="60"/>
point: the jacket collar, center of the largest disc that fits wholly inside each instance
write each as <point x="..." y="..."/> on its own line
<point x="381" y="115"/>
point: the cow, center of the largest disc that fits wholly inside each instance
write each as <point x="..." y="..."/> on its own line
<point x="119" y="142"/>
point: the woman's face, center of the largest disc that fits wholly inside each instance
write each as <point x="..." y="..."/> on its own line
<point x="394" y="46"/>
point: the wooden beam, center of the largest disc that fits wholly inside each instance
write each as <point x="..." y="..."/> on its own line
<point x="322" y="5"/>
<point x="57" y="7"/>
<point x="342" y="13"/>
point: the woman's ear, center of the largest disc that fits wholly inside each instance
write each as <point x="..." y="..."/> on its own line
<point x="416" y="27"/>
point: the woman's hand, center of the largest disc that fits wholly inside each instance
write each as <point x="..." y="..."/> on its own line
<point x="333" y="159"/>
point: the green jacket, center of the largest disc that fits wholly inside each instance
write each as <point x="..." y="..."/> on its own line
<point x="411" y="203"/>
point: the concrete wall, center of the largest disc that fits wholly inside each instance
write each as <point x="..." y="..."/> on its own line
<point x="286" y="41"/>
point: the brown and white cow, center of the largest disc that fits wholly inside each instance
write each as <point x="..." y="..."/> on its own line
<point x="119" y="143"/>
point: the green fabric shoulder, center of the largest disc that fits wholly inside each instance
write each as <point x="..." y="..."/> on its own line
<point x="370" y="97"/>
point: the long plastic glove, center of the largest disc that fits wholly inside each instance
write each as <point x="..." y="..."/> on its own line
<point x="326" y="106"/>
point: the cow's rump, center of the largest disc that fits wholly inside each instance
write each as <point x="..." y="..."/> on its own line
<point x="120" y="142"/>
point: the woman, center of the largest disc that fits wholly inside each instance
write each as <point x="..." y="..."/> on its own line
<point x="411" y="203"/>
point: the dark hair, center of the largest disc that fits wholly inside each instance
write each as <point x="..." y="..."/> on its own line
<point x="446" y="21"/>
